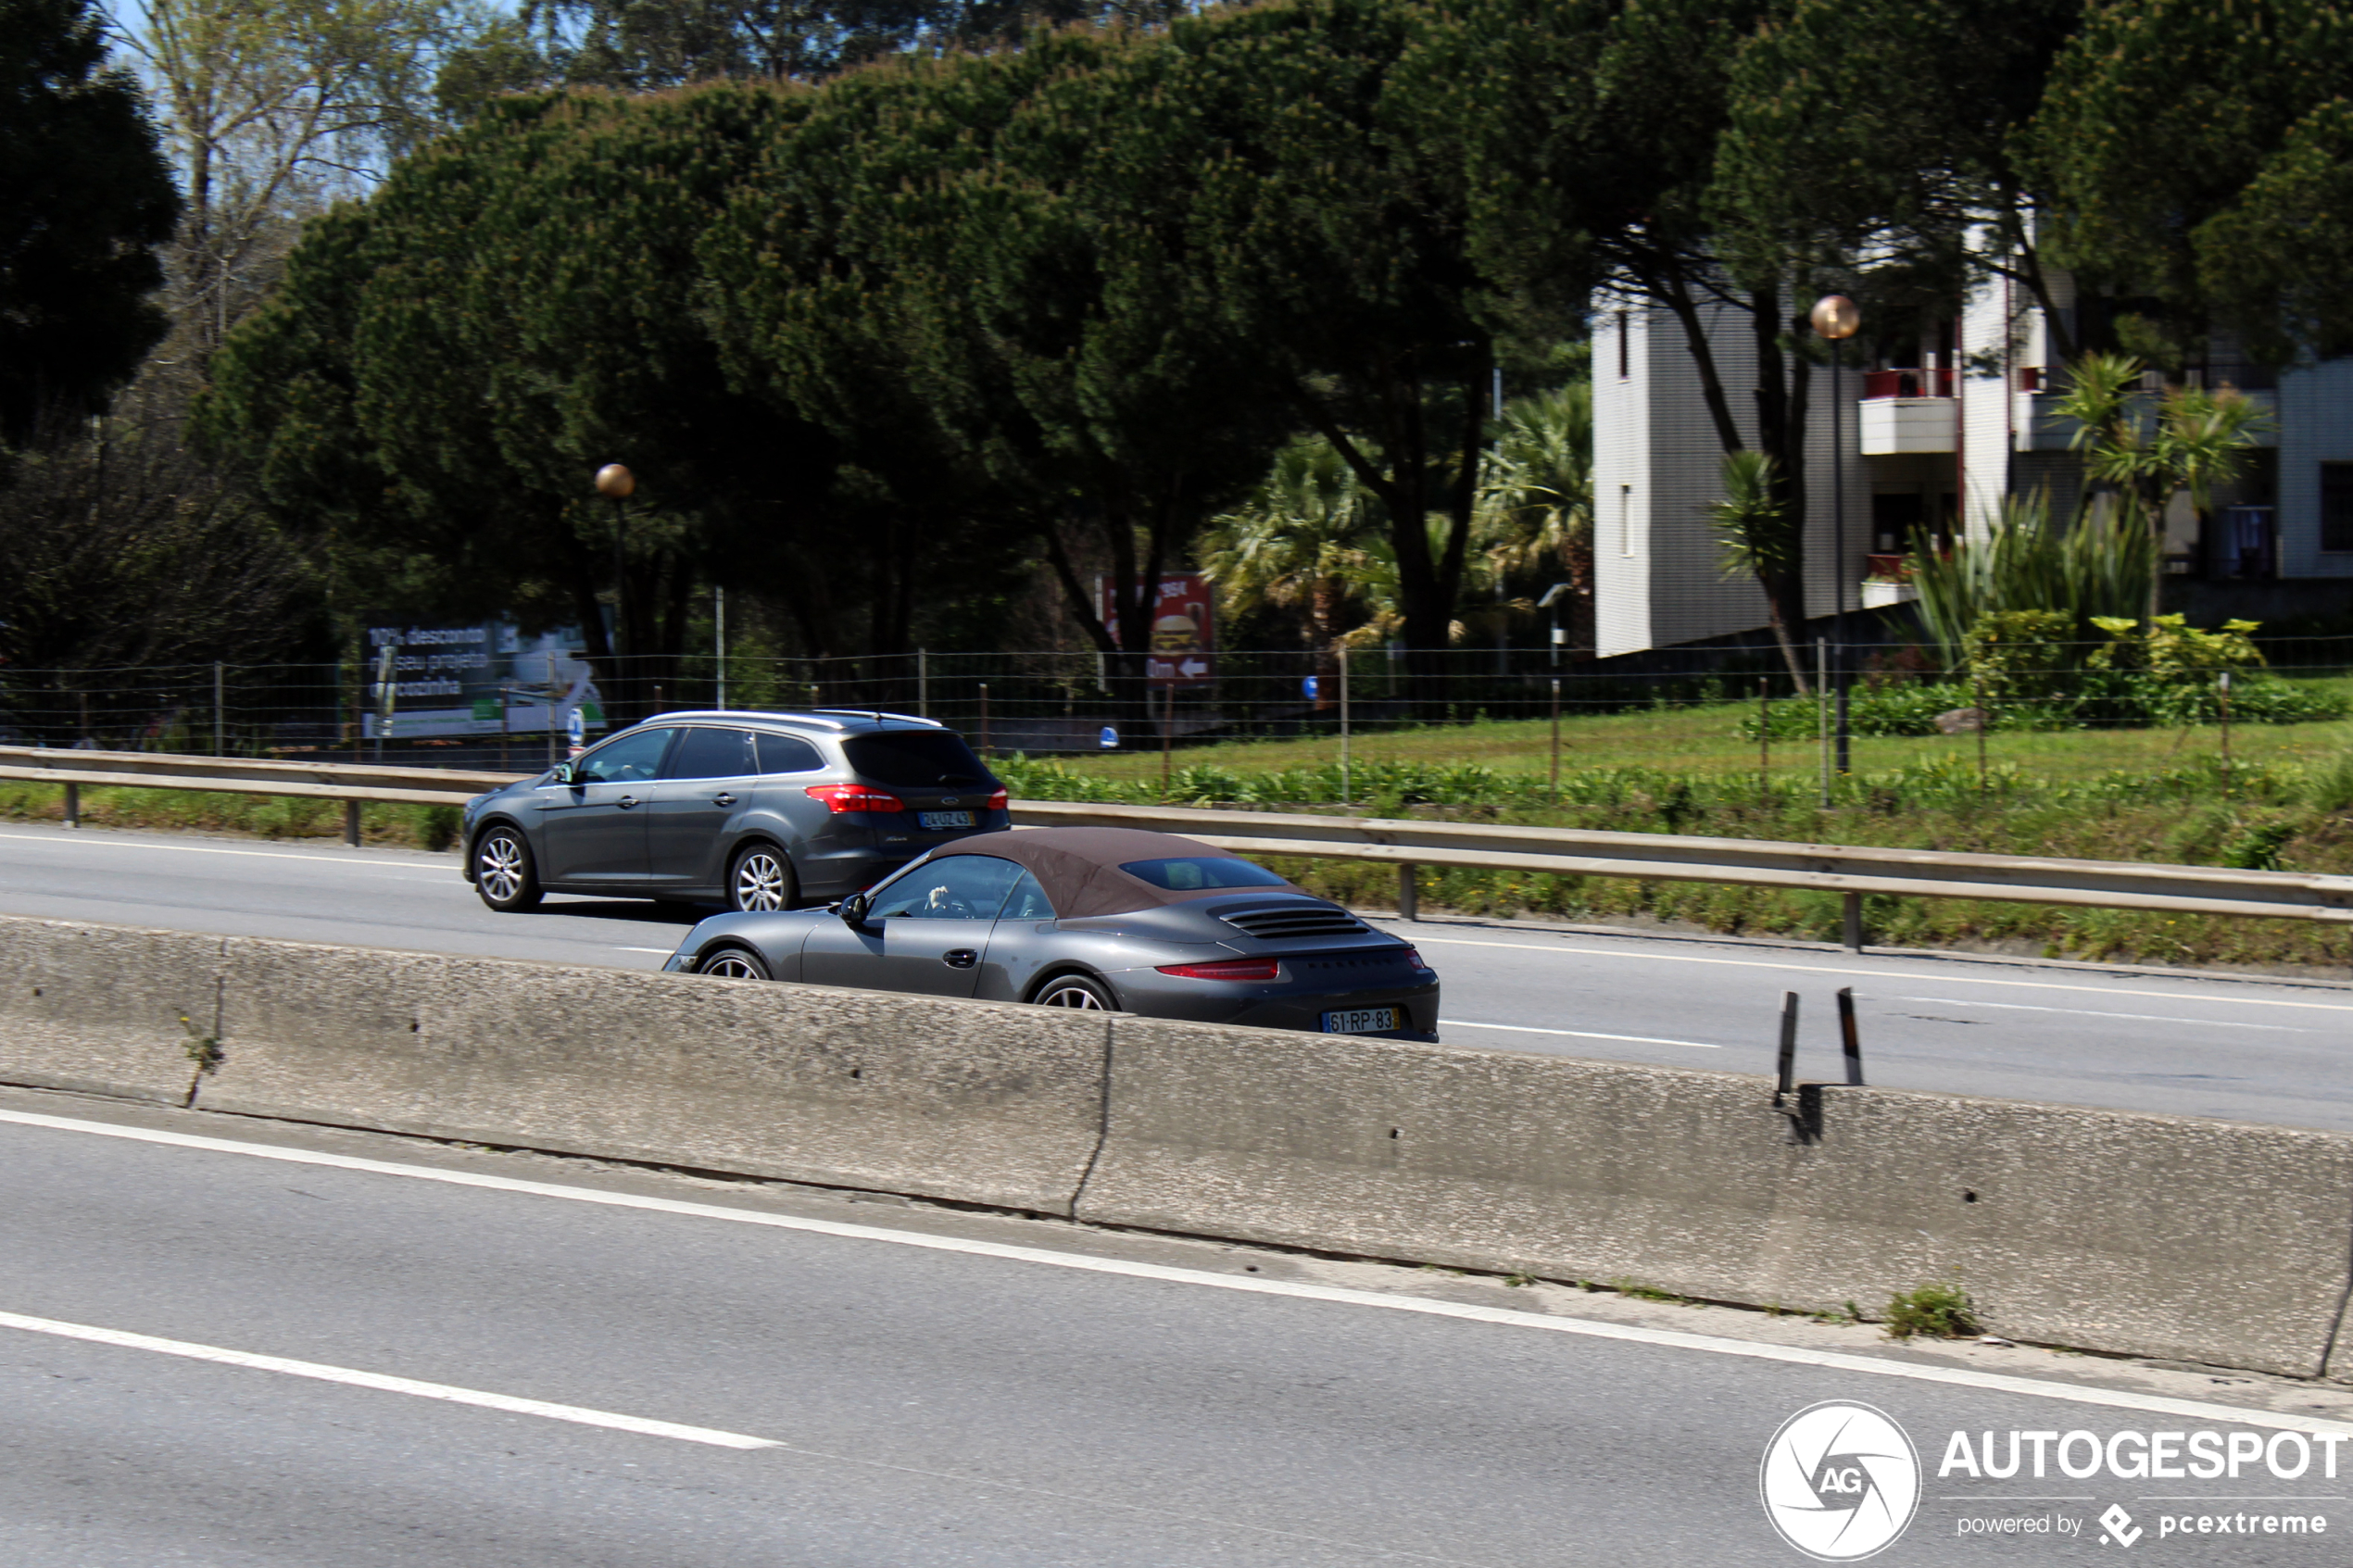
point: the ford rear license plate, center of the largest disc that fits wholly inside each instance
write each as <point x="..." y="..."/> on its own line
<point x="1360" y="1021"/>
<point x="938" y="819"/>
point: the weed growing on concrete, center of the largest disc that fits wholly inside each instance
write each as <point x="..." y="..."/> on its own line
<point x="1640" y="1292"/>
<point x="203" y="1049"/>
<point x="1520" y="1279"/>
<point x="1937" y="1310"/>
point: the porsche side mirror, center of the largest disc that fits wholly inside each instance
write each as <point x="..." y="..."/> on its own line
<point x="852" y="911"/>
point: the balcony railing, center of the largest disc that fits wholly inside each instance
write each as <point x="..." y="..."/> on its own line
<point x="1907" y="383"/>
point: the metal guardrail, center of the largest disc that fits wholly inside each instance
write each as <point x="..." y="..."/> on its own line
<point x="1848" y="869"/>
<point x="354" y="784"/>
<point x="1832" y="868"/>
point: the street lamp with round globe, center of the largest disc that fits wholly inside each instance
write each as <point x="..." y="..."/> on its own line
<point x="615" y="481"/>
<point x="1835" y="319"/>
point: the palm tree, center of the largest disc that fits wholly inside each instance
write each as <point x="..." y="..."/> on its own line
<point x="1758" y="536"/>
<point x="1536" y="496"/>
<point x="2196" y="440"/>
<point x="1304" y="540"/>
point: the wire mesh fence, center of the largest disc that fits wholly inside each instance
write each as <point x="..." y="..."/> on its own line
<point x="1668" y="712"/>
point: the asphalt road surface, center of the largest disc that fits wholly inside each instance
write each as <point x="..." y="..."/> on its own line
<point x="234" y="1344"/>
<point x="2244" y="1050"/>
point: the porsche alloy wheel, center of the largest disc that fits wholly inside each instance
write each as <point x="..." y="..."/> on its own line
<point x="1075" y="991"/>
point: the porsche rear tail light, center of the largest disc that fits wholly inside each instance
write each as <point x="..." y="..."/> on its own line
<point x="1414" y="956"/>
<point x="1227" y="968"/>
<point x="854" y="797"/>
<point x="996" y="802"/>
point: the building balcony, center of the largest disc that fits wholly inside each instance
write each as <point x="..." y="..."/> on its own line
<point x="1906" y="411"/>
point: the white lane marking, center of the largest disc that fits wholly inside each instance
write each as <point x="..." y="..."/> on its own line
<point x="1575" y="1034"/>
<point x="1422" y="941"/>
<point x="358" y="1379"/>
<point x="2087" y="1012"/>
<point x="317" y="859"/>
<point x="1836" y="1361"/>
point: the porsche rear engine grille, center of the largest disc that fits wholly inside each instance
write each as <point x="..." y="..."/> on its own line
<point x="1278" y="923"/>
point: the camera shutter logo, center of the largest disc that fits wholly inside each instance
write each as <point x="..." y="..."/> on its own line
<point x="1840" y="1481"/>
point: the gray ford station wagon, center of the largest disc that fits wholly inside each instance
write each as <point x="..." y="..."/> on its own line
<point x="755" y="811"/>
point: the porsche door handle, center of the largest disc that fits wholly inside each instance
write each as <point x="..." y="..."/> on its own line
<point x="723" y="798"/>
<point x="960" y="957"/>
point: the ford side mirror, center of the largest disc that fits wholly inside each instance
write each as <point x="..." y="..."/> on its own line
<point x="852" y="911"/>
<point x="563" y="775"/>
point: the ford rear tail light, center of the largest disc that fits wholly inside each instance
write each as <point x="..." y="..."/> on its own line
<point x="854" y="797"/>
<point x="1227" y="968"/>
<point x="996" y="802"/>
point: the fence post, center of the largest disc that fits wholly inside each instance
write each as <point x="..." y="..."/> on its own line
<point x="219" y="718"/>
<point x="1556" y="740"/>
<point x="351" y="823"/>
<point x="73" y="804"/>
<point x="2227" y="791"/>
<point x="984" y="719"/>
<point x="923" y="684"/>
<point x="1764" y="741"/>
<point x="1347" y="796"/>
<point x="1854" y="922"/>
<point x="1408" y="894"/>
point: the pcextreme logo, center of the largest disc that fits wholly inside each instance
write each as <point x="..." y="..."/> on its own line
<point x="1840" y="1481"/>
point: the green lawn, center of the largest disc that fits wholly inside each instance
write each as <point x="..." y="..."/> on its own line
<point x="1705" y="739"/>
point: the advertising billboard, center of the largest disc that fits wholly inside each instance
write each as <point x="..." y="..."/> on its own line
<point x="1183" y="644"/>
<point x="482" y="680"/>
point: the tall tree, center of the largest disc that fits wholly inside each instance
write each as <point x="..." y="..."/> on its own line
<point x="2162" y="116"/>
<point x="447" y="365"/>
<point x="1332" y="230"/>
<point x="273" y="109"/>
<point x="85" y="199"/>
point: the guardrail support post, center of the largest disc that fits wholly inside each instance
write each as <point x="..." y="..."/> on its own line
<point x="1848" y="1038"/>
<point x="351" y="823"/>
<point x="1408" y="894"/>
<point x="1854" y="923"/>
<point x="73" y="804"/>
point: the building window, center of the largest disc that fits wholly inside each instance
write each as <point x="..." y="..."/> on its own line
<point x="1625" y="520"/>
<point x="1624" y="360"/>
<point x="2337" y="507"/>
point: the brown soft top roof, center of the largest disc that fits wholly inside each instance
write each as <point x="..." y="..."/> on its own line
<point x="1079" y="867"/>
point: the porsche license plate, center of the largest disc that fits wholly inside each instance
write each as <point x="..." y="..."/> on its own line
<point x="1360" y="1021"/>
<point x="935" y="820"/>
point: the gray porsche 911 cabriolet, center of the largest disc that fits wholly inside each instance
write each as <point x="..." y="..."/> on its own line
<point x="1094" y="917"/>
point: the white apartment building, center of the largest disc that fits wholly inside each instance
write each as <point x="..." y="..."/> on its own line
<point x="1933" y="430"/>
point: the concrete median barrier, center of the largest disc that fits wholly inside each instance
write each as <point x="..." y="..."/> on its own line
<point x="968" y="1101"/>
<point x="106" y="1010"/>
<point x="2149" y="1235"/>
<point x="2138" y="1235"/>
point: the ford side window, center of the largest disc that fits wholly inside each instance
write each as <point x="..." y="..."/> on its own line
<point x="625" y="759"/>
<point x="709" y="754"/>
<point x="787" y="753"/>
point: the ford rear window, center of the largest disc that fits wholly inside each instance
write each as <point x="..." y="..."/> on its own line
<point x="916" y="759"/>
